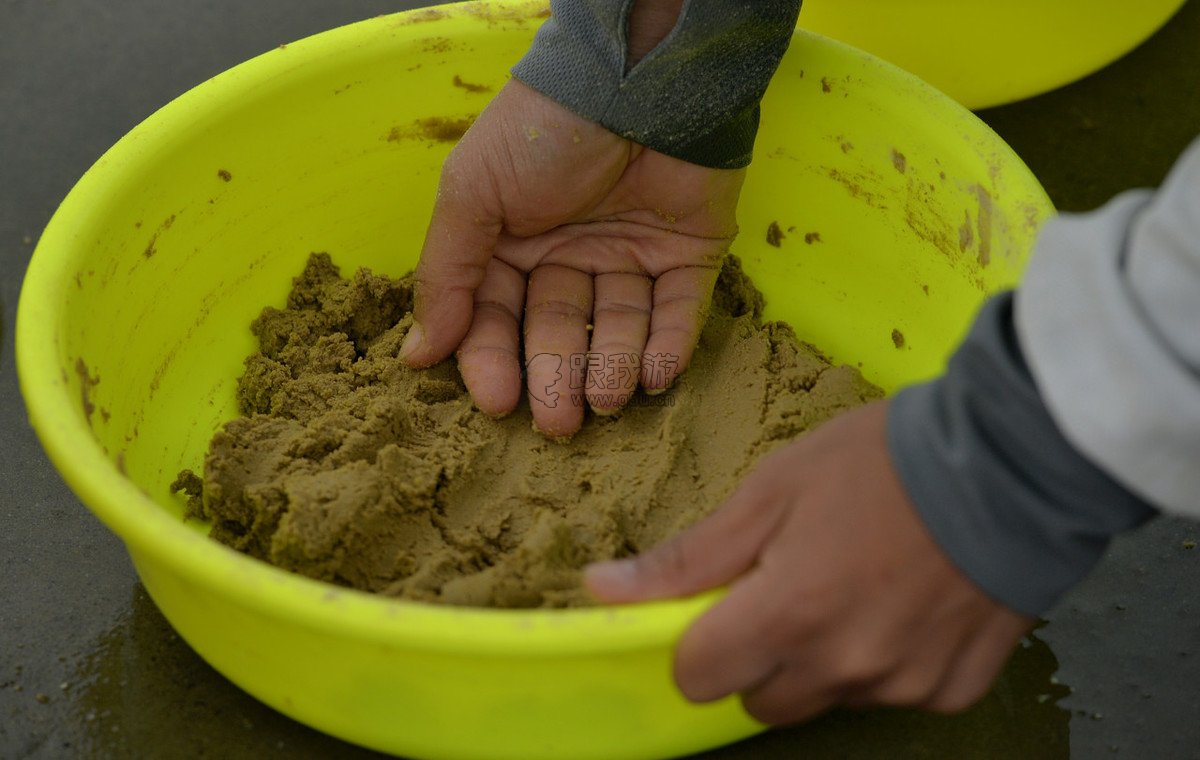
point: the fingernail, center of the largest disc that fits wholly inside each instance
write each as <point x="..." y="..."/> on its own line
<point x="612" y="575"/>
<point x="655" y="391"/>
<point x="556" y="437"/>
<point x="412" y="342"/>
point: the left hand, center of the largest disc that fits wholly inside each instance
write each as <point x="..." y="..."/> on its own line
<point x="549" y="227"/>
<point x="838" y="594"/>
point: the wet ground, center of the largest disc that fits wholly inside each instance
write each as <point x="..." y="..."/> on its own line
<point x="89" y="668"/>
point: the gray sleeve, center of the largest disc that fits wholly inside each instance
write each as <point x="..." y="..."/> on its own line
<point x="1013" y="504"/>
<point x="695" y="96"/>
<point x="1109" y="317"/>
<point x="1072" y="410"/>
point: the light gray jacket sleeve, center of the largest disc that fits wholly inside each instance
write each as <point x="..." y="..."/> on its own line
<point x="1109" y="319"/>
<point x="1072" y="410"/>
<point x="694" y="97"/>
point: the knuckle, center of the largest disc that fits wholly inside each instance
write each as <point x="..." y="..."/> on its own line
<point x="860" y="666"/>
<point x="907" y="690"/>
<point x="778" y="708"/>
<point x="492" y="308"/>
<point x="621" y="308"/>
<point x="765" y="711"/>
<point x="679" y="300"/>
<point x="619" y="352"/>
<point x="472" y="352"/>
<point x="669" y="560"/>
<point x="448" y="273"/>
<point x="556" y="307"/>
<point x="788" y="625"/>
<point x="955" y="699"/>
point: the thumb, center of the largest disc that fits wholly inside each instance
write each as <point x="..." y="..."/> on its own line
<point x="458" y="245"/>
<point x="711" y="553"/>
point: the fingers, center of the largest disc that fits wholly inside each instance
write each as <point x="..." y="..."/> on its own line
<point x="791" y="665"/>
<point x="621" y="324"/>
<point x="489" y="357"/>
<point x="458" y="245"/>
<point x="731" y="648"/>
<point x="981" y="660"/>
<point x="681" y="299"/>
<point x="711" y="553"/>
<point x="915" y="680"/>
<point x="786" y="697"/>
<point x="946" y="666"/>
<point x="949" y="669"/>
<point x="558" y="307"/>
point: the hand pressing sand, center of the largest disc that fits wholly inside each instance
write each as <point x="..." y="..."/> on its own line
<point x="351" y="468"/>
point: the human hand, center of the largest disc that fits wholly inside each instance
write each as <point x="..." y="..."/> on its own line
<point x="838" y="594"/>
<point x="546" y="219"/>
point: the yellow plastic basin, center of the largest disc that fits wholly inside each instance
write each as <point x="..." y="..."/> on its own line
<point x="988" y="52"/>
<point x="134" y="317"/>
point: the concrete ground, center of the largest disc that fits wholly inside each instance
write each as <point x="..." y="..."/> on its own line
<point x="89" y="668"/>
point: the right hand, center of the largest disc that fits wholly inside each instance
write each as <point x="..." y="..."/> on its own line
<point x="838" y="595"/>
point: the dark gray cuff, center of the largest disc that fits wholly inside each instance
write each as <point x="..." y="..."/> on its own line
<point x="1011" y="502"/>
<point x="694" y="97"/>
